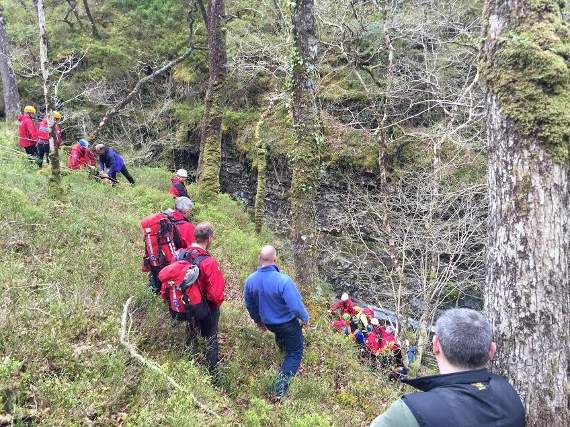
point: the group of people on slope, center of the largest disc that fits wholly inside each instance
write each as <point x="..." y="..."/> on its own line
<point x="378" y="343"/>
<point x="189" y="280"/>
<point x="34" y="138"/>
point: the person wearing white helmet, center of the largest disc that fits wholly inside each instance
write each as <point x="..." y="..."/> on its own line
<point x="345" y="305"/>
<point x="177" y="186"/>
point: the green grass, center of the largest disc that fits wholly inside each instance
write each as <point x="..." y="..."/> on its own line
<point x="67" y="269"/>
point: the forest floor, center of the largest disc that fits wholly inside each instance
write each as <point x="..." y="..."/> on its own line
<point x="67" y="268"/>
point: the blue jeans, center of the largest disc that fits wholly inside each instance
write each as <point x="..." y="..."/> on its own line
<point x="289" y="339"/>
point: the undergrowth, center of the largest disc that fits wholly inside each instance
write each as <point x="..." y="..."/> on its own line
<point x="67" y="269"/>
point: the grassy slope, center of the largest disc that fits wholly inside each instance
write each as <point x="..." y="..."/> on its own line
<point x="67" y="269"/>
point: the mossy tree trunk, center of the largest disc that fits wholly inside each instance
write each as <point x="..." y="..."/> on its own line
<point x="9" y="85"/>
<point x="526" y="65"/>
<point x="211" y="142"/>
<point x="261" y="164"/>
<point x="309" y="135"/>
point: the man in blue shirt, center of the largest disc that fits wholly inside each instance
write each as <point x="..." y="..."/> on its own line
<point x="274" y="302"/>
<point x="109" y="158"/>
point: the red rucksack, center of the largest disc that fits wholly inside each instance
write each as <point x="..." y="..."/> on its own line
<point x="161" y="240"/>
<point x="180" y="286"/>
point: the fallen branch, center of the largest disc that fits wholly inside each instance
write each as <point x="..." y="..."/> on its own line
<point x="119" y="106"/>
<point x="151" y="364"/>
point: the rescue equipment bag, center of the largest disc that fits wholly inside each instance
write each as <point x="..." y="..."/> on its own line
<point x="161" y="240"/>
<point x="180" y="286"/>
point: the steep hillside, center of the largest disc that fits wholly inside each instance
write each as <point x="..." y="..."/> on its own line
<point x="67" y="269"/>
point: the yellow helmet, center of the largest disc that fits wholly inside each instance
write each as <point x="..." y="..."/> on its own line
<point x="57" y="115"/>
<point x="29" y="109"/>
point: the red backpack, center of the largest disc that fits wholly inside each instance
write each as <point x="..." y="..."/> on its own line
<point x="180" y="285"/>
<point x="161" y="240"/>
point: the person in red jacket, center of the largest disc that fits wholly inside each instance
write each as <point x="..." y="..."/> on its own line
<point x="27" y="131"/>
<point x="180" y="216"/>
<point x="342" y="325"/>
<point x="81" y="156"/>
<point x="372" y="342"/>
<point x="211" y="283"/>
<point x="345" y="305"/>
<point x="44" y="133"/>
<point x="177" y="187"/>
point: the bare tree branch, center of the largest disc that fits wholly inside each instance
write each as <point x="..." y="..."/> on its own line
<point x="121" y="104"/>
<point x="152" y="364"/>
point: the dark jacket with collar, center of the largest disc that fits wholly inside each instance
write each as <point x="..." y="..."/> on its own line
<point x="465" y="399"/>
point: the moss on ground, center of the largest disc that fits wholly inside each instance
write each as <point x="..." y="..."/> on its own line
<point x="67" y="269"/>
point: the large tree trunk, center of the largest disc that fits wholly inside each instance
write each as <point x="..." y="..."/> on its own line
<point x="309" y="135"/>
<point x="527" y="296"/>
<point x="211" y="142"/>
<point x="9" y="85"/>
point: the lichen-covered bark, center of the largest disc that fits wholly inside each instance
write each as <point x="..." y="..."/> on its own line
<point x="309" y="135"/>
<point x="527" y="295"/>
<point x="210" y="145"/>
<point x="9" y="85"/>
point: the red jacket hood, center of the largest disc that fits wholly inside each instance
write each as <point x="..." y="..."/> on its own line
<point x="179" y="217"/>
<point x="199" y="250"/>
<point x="21" y="117"/>
<point x="176" y="180"/>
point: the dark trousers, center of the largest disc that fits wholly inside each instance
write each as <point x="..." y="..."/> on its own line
<point x="289" y="339"/>
<point x="42" y="151"/>
<point x="208" y="328"/>
<point x="153" y="280"/>
<point x="31" y="151"/>
<point x="125" y="173"/>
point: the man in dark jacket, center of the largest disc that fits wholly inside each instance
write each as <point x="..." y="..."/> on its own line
<point x="465" y="394"/>
<point x="110" y="159"/>
<point x="274" y="302"/>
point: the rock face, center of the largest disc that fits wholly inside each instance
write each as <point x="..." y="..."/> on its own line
<point x="238" y="178"/>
